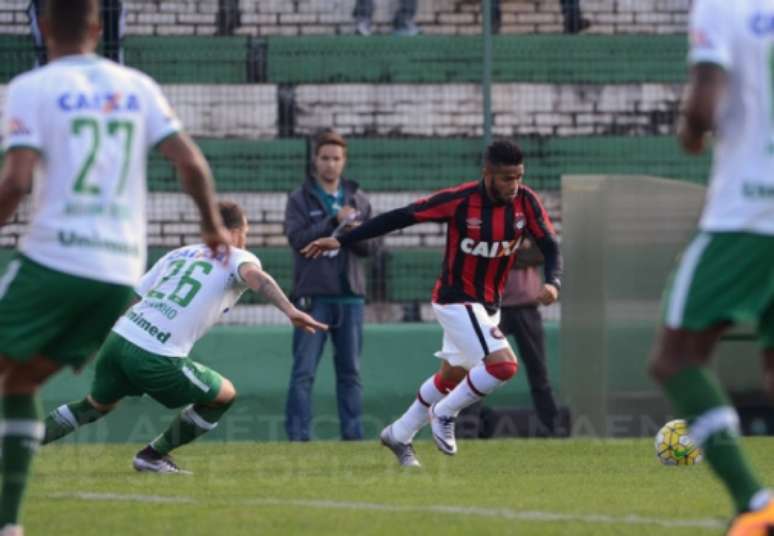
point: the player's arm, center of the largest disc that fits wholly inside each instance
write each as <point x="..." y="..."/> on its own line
<point x="438" y="207"/>
<point x="552" y="269"/>
<point x="196" y="181"/>
<point x="697" y="117"/>
<point x="263" y="283"/>
<point x="711" y="56"/>
<point x="366" y="247"/>
<point x="541" y="229"/>
<point x="16" y="179"/>
<point x="380" y="225"/>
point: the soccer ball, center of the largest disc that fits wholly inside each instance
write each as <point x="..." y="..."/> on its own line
<point x="674" y="447"/>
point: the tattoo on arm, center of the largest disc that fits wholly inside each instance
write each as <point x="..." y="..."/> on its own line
<point x="270" y="290"/>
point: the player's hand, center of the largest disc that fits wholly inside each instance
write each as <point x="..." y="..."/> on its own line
<point x="548" y="294"/>
<point x="346" y="213"/>
<point x="316" y="248"/>
<point x="219" y="242"/>
<point x="302" y="320"/>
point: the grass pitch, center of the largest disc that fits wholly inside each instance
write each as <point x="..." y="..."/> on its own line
<point x="525" y="487"/>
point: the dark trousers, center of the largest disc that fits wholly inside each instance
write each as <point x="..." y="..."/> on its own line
<point x="112" y="30"/>
<point x="526" y="325"/>
<point x="573" y="17"/>
<point x="346" y="333"/>
<point x="571" y="14"/>
<point x="407" y="9"/>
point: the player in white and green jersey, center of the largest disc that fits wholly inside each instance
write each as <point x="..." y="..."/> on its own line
<point x="83" y="127"/>
<point x="726" y="274"/>
<point x="183" y="295"/>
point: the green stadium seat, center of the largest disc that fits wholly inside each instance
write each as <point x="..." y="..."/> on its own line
<point x="411" y="273"/>
<point x="168" y="59"/>
<point x="383" y="164"/>
<point x="239" y="165"/>
<point x="17" y="55"/>
<point x="190" y="59"/>
<point x="547" y="159"/>
<point x="594" y="59"/>
<point x="387" y="164"/>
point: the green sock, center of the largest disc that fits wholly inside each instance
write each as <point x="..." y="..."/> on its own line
<point x="698" y="397"/>
<point x="66" y="418"/>
<point x="193" y="421"/>
<point x="22" y="434"/>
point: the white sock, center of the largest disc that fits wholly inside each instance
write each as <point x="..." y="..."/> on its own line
<point x="760" y="500"/>
<point x="476" y="385"/>
<point x="406" y="427"/>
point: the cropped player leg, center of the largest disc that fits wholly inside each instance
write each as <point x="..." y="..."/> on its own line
<point x="678" y="364"/>
<point x="108" y="387"/>
<point x="481" y="348"/>
<point x="68" y="417"/>
<point x="431" y="391"/>
<point x="195" y="420"/>
<point x="398" y="436"/>
<point x="22" y="429"/>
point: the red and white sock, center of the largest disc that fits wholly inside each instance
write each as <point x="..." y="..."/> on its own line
<point x="411" y="422"/>
<point x="480" y="381"/>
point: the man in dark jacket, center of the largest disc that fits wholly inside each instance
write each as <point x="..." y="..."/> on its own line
<point x="330" y="288"/>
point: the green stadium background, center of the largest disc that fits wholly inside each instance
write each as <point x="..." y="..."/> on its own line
<point x="604" y="102"/>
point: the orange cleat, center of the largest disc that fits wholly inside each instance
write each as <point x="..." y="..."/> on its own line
<point x="758" y="523"/>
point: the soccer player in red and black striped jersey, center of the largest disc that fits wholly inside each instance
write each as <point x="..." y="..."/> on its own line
<point x="486" y="220"/>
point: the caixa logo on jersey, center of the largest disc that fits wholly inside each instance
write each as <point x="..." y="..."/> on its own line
<point x="762" y="24"/>
<point x="98" y="102"/>
<point x="490" y="250"/>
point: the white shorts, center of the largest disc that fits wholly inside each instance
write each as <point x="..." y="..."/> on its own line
<point x="469" y="333"/>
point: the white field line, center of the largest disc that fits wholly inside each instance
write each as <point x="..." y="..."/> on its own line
<point x="122" y="497"/>
<point x="499" y="513"/>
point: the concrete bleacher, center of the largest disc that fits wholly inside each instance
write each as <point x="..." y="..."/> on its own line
<point x="449" y="59"/>
<point x="324" y="17"/>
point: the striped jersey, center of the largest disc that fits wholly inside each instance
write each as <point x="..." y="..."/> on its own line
<point x="482" y="239"/>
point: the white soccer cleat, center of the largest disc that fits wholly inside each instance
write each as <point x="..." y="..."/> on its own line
<point x="150" y="461"/>
<point x="443" y="432"/>
<point x="407" y="456"/>
<point x="12" y="530"/>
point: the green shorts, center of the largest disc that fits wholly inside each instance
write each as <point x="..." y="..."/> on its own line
<point x="723" y="277"/>
<point x="57" y="315"/>
<point x="124" y="369"/>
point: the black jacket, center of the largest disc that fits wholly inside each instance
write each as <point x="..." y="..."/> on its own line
<point x="305" y="220"/>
